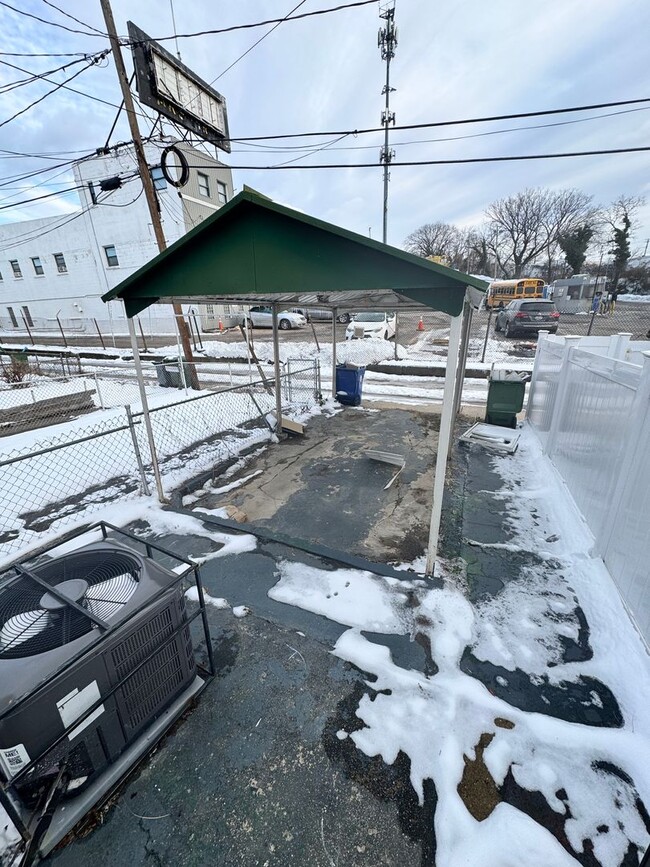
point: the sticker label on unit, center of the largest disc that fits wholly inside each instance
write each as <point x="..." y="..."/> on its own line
<point x="76" y="703"/>
<point x="13" y="759"/>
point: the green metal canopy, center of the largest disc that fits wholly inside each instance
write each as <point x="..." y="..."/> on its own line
<point x="254" y="250"/>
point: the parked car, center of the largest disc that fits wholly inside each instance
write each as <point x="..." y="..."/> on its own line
<point x="320" y="313"/>
<point x="521" y="316"/>
<point x="262" y="317"/>
<point x="371" y="324"/>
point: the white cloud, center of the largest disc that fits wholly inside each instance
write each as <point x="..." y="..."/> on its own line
<point x="454" y="60"/>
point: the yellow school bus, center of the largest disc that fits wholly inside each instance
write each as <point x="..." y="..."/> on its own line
<point x="502" y="292"/>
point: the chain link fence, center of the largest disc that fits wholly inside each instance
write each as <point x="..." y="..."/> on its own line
<point x="52" y="480"/>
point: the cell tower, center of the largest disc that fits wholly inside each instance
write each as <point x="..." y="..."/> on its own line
<point x="387" y="42"/>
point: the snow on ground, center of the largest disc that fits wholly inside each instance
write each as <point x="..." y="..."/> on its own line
<point x="638" y="299"/>
<point x="437" y="721"/>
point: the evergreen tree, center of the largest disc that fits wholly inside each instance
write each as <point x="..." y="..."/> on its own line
<point x="574" y="245"/>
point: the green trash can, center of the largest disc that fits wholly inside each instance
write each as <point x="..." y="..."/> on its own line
<point x="505" y="397"/>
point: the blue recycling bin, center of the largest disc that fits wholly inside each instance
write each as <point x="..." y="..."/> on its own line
<point x="349" y="382"/>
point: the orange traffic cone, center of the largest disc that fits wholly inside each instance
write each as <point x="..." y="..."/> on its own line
<point x="220" y="324"/>
<point x="420" y="325"/>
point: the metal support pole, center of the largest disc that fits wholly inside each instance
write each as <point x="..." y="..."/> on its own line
<point x="444" y="439"/>
<point x="334" y="314"/>
<point x="487" y="335"/>
<point x="99" y="392"/>
<point x="100" y="334"/>
<point x="395" y="337"/>
<point x="138" y="456"/>
<point x="278" y="378"/>
<point x="65" y="342"/>
<point x="145" y="412"/>
<point x="144" y="342"/>
<point x="462" y="364"/>
<point x="28" y="331"/>
<point x="387" y="45"/>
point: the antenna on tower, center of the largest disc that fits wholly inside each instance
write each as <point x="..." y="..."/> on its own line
<point x="387" y="43"/>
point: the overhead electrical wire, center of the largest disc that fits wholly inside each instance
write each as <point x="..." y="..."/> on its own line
<point x="44" y="54"/>
<point x="234" y="27"/>
<point x="50" y="23"/>
<point x="255" y="44"/>
<point x="72" y="18"/>
<point x="451" y="162"/>
<point x="65" y="86"/>
<point x="54" y="89"/>
<point x="76" y="188"/>
<point x="310" y="148"/>
<point x="33" y="76"/>
<point x="440" y="123"/>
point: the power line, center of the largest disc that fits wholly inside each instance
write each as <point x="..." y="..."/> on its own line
<point x="255" y="44"/>
<point x="513" y="158"/>
<point x="441" y="123"/>
<point x="54" y="89"/>
<point x="43" y="54"/>
<point x="45" y="21"/>
<point x="33" y="76"/>
<point x="310" y="149"/>
<point x="72" y="18"/>
<point x="65" y="86"/>
<point x="38" y="198"/>
<point x="256" y="23"/>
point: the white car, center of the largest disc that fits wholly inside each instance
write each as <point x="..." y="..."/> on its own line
<point x="371" y="324"/>
<point x="262" y="317"/>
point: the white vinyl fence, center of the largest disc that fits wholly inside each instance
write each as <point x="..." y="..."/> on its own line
<point x="591" y="410"/>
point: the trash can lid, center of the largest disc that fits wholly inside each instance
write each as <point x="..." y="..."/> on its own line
<point x="508" y="376"/>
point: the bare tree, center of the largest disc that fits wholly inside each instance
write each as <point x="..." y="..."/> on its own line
<point x="434" y="239"/>
<point x="620" y="218"/>
<point x="528" y="225"/>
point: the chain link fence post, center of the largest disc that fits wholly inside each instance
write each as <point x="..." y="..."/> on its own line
<point x="136" y="449"/>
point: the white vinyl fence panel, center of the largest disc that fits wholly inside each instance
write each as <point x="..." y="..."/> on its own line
<point x="592" y="414"/>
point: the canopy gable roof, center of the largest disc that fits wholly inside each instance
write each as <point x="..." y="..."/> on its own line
<point x="253" y="250"/>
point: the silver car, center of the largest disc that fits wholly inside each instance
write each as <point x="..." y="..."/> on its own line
<point x="262" y="317"/>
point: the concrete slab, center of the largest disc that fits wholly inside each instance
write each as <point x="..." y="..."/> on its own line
<point x="322" y="487"/>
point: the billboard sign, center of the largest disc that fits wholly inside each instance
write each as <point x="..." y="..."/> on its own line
<point x="172" y="89"/>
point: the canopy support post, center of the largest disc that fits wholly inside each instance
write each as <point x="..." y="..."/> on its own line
<point x="145" y="411"/>
<point x="334" y="315"/>
<point x="444" y="439"/>
<point x="462" y="363"/>
<point x="276" y="369"/>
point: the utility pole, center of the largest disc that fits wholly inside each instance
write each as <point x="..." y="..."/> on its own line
<point x="143" y="167"/>
<point x="387" y="42"/>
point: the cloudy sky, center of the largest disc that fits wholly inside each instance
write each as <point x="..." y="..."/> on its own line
<point x="455" y="59"/>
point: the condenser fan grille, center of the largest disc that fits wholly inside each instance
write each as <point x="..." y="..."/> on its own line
<point x="33" y="621"/>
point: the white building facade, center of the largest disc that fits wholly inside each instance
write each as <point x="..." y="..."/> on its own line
<point x="54" y="270"/>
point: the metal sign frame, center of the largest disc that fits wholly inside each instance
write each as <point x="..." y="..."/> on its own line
<point x="145" y="51"/>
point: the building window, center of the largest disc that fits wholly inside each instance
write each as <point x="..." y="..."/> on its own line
<point x="204" y="184"/>
<point x="28" y="316"/>
<point x="60" y="263"/>
<point x="158" y="178"/>
<point x="209" y="309"/>
<point x="38" y="267"/>
<point x="12" y="316"/>
<point x="0" y="276"/>
<point x="222" y="192"/>
<point x="16" y="268"/>
<point x="111" y="256"/>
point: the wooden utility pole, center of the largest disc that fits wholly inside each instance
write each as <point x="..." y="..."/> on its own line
<point x="143" y="166"/>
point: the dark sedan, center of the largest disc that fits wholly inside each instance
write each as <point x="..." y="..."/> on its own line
<point x="521" y="317"/>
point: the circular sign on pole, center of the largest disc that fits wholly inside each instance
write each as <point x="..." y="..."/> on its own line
<point x="182" y="167"/>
